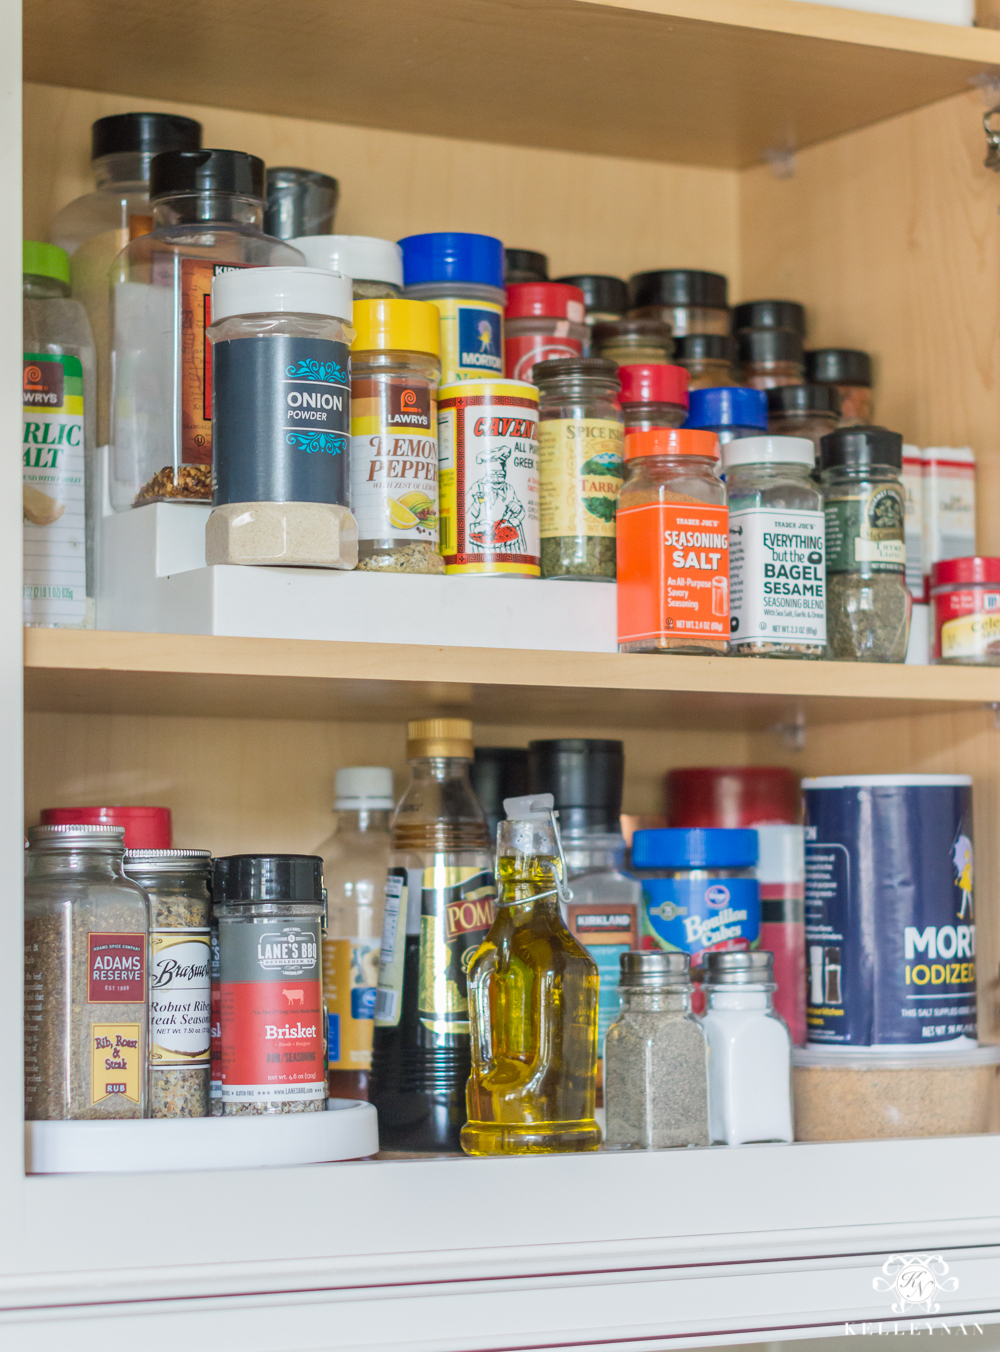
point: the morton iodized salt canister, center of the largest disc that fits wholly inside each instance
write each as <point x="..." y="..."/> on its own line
<point x="488" y="476"/>
<point x="890" y="916"/>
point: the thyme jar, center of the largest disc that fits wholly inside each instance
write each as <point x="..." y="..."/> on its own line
<point x="270" y="910"/>
<point x="655" y="1058"/>
<point x="176" y="882"/>
<point x="580" y="438"/>
<point x="776" y="548"/>
<point x="86" y="927"/>
<point x="867" y="602"/>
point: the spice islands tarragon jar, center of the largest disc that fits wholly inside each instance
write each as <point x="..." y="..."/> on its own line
<point x="488" y="471"/>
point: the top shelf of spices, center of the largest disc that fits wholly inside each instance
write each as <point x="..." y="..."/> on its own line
<point x="725" y="83"/>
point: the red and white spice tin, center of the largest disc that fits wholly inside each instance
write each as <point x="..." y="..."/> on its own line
<point x="965" y="594"/>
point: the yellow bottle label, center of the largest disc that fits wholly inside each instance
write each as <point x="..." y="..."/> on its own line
<point x="471" y="339"/>
<point x="115" y="1067"/>
<point x="970" y="635"/>
<point x="580" y="471"/>
<point x="350" y="975"/>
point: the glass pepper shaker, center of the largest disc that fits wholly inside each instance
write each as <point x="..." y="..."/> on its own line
<point x="749" y="1050"/>
<point x="655" y="1057"/>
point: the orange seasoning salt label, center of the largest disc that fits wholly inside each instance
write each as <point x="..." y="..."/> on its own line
<point x="673" y="571"/>
<point x="196" y="357"/>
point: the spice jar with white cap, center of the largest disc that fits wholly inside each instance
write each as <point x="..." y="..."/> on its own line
<point x="375" y="266"/>
<point x="777" y="542"/>
<point x="749" y="1051"/>
<point x="281" y="419"/>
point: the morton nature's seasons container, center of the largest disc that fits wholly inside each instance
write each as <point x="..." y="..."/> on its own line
<point x="488" y="471"/>
<point x="890" y="916"/>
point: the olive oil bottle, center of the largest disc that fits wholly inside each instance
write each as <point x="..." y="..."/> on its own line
<point x="533" y="1004"/>
<point x="438" y="907"/>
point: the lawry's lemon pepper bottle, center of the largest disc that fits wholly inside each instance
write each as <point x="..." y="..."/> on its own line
<point x="439" y="904"/>
<point x="533" y="992"/>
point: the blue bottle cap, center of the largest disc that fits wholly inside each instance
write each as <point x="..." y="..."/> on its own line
<point x="727" y="406"/>
<point x="450" y="257"/>
<point x="695" y="847"/>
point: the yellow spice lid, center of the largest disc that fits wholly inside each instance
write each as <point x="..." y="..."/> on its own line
<point x="439" y="737"/>
<point x="397" y="325"/>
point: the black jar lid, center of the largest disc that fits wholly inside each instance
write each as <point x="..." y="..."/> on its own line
<point x="525" y="265"/>
<point x="146" y="133"/>
<point x="205" y="171"/>
<point x="804" y="399"/>
<point x="299" y="202"/>
<point x="658" y="330"/>
<point x="249" y="878"/>
<point x="770" y="314"/>
<point x="678" y="286"/>
<point x="839" y="366"/>
<point x="703" y="347"/>
<point x="760" y="345"/>
<point x="584" y="776"/>
<point x="857" y="447"/>
<point x="606" y="295"/>
<point x="575" y="368"/>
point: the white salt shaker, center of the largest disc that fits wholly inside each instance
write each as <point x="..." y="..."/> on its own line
<point x="749" y="1051"/>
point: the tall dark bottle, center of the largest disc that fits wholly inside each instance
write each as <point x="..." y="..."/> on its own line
<point x="439" y="905"/>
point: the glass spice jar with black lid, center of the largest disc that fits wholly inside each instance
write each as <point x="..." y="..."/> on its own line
<point x="707" y="358"/>
<point x="849" y="371"/>
<point x="605" y="298"/>
<point x="867" y="600"/>
<point x="632" y="341"/>
<point x="770" y="314"/>
<point x="803" y="411"/>
<point x="689" y="301"/>
<point x="768" y="358"/>
<point x="580" y="466"/>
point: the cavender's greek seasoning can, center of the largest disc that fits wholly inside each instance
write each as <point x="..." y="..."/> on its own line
<point x="890" y="915"/>
<point x="488" y="467"/>
<point x="269" y="909"/>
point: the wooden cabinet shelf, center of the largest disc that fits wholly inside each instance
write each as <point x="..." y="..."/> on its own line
<point x="713" y="82"/>
<point x="76" y="671"/>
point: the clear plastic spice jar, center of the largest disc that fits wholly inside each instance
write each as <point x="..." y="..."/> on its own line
<point x="394" y="447"/>
<point x="606" y="298"/>
<point x="653" y="396"/>
<point x="689" y="301"/>
<point x="180" y="970"/>
<point x="770" y="314"/>
<point x="580" y="467"/>
<point x="868" y="602"/>
<point x="270" y="912"/>
<point x="655" y="1058"/>
<point x="631" y="342"/>
<point x="803" y="411"/>
<point x="965" y="594"/>
<point x="768" y="358"/>
<point x="375" y="266"/>
<point x="730" y="411"/>
<point x="707" y="358"/>
<point x="86" y="930"/>
<point x="776" y="554"/>
<point x="542" y="321"/>
<point x="673" y="545"/>
<point x="850" y="371"/>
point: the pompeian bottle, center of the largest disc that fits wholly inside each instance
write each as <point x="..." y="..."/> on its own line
<point x="533" y="1004"/>
<point x="439" y="905"/>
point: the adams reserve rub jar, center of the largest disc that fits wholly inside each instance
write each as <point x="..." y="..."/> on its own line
<point x="270" y="910"/>
<point x="86" y="928"/>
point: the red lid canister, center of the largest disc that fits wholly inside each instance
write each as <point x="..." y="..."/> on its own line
<point x="962" y="572"/>
<point x="146" y="828"/>
<point x="545" y="300"/>
<point x="649" y="383"/>
<point x="733" y="796"/>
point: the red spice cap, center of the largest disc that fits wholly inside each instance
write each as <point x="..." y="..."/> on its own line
<point x="545" y="300"/>
<point x="649" y="384"/>
<point x="948" y="572"/>
<point x="732" y="797"/>
<point x="146" y="828"/>
<point x="672" y="441"/>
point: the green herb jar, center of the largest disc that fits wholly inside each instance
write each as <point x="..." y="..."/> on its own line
<point x="867" y="600"/>
<point x="580" y="443"/>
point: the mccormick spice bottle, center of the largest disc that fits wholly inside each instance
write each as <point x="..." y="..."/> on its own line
<point x="633" y="342"/>
<point x="270" y="911"/>
<point x="281" y="405"/>
<point x="438" y="908"/>
<point x="462" y="275"/>
<point x="803" y="411"/>
<point x="770" y="314"/>
<point x="673" y="545"/>
<point x="208" y="206"/>
<point x="689" y="301"/>
<point x="580" y="467"/>
<point x="606" y="298"/>
<point x="86" y="930"/>
<point x="965" y="594"/>
<point x="653" y="396"/>
<point x="850" y="373"/>
<point x="707" y="358"/>
<point x="768" y="358"/>
<point x="394" y="446"/>
<point x="543" y="320"/>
